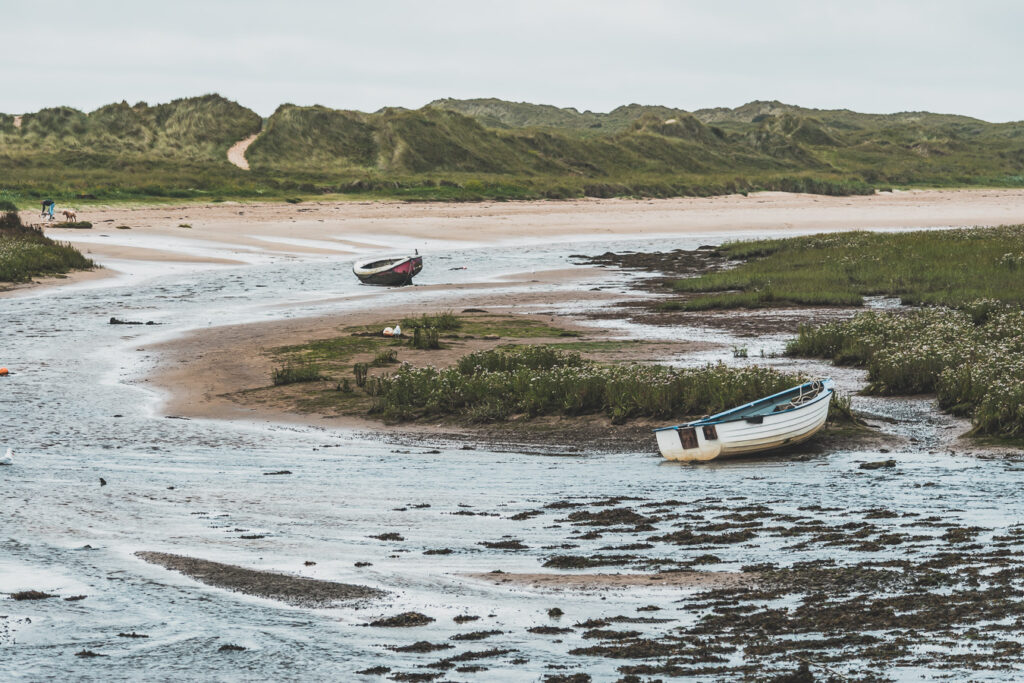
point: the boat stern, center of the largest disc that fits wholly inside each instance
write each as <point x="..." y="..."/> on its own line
<point x="685" y="443"/>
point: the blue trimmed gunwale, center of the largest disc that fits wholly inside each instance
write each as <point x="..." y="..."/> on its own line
<point x="828" y="387"/>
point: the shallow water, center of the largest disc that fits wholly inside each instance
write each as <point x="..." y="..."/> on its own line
<point x="75" y="410"/>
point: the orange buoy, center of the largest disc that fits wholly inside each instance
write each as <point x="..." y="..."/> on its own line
<point x="4" y="371"/>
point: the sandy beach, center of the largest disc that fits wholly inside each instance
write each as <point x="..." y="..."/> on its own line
<point x="328" y="227"/>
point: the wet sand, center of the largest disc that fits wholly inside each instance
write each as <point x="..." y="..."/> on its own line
<point x="203" y="373"/>
<point x="74" y="277"/>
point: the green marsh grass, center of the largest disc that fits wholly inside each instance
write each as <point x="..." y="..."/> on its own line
<point x="536" y="380"/>
<point x="425" y="338"/>
<point x="25" y="252"/>
<point x="360" y="371"/>
<point x="445" y="321"/>
<point x="934" y="267"/>
<point x="974" y="363"/>
<point x="296" y="373"/>
<point x="385" y="357"/>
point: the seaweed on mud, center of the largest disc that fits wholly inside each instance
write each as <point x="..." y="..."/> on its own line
<point x="678" y="262"/>
<point x="549" y="630"/>
<point x="403" y="620"/>
<point x="706" y="558"/>
<point x="688" y="537"/>
<point x="802" y="674"/>
<point x="31" y="595"/>
<point x="294" y="590"/>
<point x="512" y="544"/>
<point x="563" y="505"/>
<point x="592" y="623"/>
<point x="420" y="646"/>
<point x="899" y="609"/>
<point x="612" y="517"/>
<point x="693" y="650"/>
<point x="230" y="647"/>
<point x="463" y="618"/>
<point x="632" y="673"/>
<point x="607" y="634"/>
<point x="628" y="546"/>
<point x="374" y="671"/>
<point x="527" y="514"/>
<point x="418" y="676"/>
<point x="961" y="534"/>
<point x="476" y="635"/>
<point x="624" y="619"/>
<point x="567" y="678"/>
<point x="472" y="655"/>
<point x="580" y="562"/>
<point x="438" y="551"/>
<point x="389" y="536"/>
<point x="879" y="513"/>
<point x="878" y="464"/>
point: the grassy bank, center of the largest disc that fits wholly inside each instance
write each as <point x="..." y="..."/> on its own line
<point x="971" y="359"/>
<point x="964" y="345"/>
<point x="534" y="381"/>
<point x="26" y="252"/>
<point x="937" y="267"/>
<point x="117" y="180"/>
<point x="494" y="368"/>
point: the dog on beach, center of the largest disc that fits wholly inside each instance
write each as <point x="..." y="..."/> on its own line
<point x="70" y="215"/>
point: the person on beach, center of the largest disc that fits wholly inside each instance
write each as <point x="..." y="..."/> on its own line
<point x="48" y="206"/>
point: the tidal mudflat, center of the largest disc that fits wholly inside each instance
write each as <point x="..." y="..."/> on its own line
<point x="466" y="560"/>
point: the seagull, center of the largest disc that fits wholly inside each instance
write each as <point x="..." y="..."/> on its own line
<point x="8" y="458"/>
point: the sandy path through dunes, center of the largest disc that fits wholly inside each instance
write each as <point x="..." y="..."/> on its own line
<point x="236" y="154"/>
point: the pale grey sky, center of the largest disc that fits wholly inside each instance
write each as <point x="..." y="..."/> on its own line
<point x="884" y="56"/>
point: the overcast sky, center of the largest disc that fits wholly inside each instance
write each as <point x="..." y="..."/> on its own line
<point x="937" y="55"/>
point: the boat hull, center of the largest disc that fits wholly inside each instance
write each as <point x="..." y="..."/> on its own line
<point x="389" y="272"/>
<point x="708" y="441"/>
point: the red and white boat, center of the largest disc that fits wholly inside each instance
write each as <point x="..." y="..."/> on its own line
<point x="390" y="271"/>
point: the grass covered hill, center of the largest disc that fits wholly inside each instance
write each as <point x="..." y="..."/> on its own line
<point x="120" y="151"/>
<point x="489" y="148"/>
<point x="197" y="128"/>
<point x="436" y="140"/>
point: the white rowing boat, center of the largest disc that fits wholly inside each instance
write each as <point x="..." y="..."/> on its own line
<point x="783" y="419"/>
